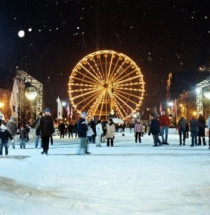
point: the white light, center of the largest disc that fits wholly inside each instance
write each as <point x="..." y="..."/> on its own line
<point x="198" y="90"/>
<point x="63" y="104"/>
<point x="21" y="33"/>
<point x="31" y="93"/>
<point x="134" y="115"/>
<point x="207" y="94"/>
<point x="30" y="29"/>
<point x="170" y="104"/>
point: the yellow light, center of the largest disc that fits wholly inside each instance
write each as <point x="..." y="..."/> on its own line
<point x="1" y="104"/>
<point x="194" y="113"/>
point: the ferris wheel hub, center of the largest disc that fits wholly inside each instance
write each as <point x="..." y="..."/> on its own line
<point x="105" y="85"/>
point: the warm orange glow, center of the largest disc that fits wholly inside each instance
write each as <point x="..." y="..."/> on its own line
<point x="106" y="81"/>
<point x="1" y="104"/>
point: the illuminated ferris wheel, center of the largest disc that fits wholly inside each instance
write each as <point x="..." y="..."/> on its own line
<point x="106" y="82"/>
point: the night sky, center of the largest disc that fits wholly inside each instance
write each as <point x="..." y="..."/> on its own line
<point x="161" y="36"/>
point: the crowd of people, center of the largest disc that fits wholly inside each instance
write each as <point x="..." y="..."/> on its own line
<point x="160" y="124"/>
<point x="88" y="131"/>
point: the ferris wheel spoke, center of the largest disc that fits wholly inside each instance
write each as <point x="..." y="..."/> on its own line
<point x="87" y="104"/>
<point x="95" y="105"/>
<point x="99" y="72"/>
<point x="92" y="91"/>
<point x="101" y="65"/>
<point x="90" y="73"/>
<point x="128" y="84"/>
<point x="103" y="97"/>
<point x="124" y="71"/>
<point x="129" y="79"/>
<point x="113" y="70"/>
<point x="127" y="99"/>
<point x="118" y="106"/>
<point x="84" y="80"/>
<point x="131" y="94"/>
<point x="96" y="72"/>
<point x="110" y="65"/>
<point x="117" y="97"/>
<point x="87" y="98"/>
<point x="117" y="71"/>
<point x="131" y="89"/>
<point x="123" y="77"/>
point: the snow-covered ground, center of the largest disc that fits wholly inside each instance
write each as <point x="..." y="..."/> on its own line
<point x="130" y="178"/>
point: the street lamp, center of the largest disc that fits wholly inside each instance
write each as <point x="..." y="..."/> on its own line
<point x="31" y="93"/>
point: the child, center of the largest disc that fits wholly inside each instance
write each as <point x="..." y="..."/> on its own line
<point x="4" y="138"/>
<point x="23" y="136"/>
<point x="89" y="133"/>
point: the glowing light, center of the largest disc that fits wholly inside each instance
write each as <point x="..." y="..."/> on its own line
<point x="170" y="104"/>
<point x="207" y="94"/>
<point x="194" y="113"/>
<point x="98" y="84"/>
<point x="21" y="33"/>
<point x="198" y="90"/>
<point x="31" y="93"/>
<point x="1" y="104"/>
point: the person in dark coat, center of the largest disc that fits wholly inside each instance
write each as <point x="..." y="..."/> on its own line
<point x="201" y="131"/>
<point x="47" y="129"/>
<point x="194" y="131"/>
<point x="93" y="126"/>
<point x="182" y="124"/>
<point x="155" y="131"/>
<point x="4" y="138"/>
<point x="187" y="130"/>
<point x="70" y="129"/>
<point x="61" y="129"/>
<point x="82" y="134"/>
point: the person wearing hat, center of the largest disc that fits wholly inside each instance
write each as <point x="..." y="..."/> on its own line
<point x="82" y="134"/>
<point x="4" y="138"/>
<point x="47" y="129"/>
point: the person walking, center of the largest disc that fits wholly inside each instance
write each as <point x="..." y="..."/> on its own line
<point x="61" y="129"/>
<point x="164" y="124"/>
<point x="36" y="125"/>
<point x="70" y="129"/>
<point x="201" y="130"/>
<point x="110" y="132"/>
<point x="155" y="131"/>
<point x="138" y="131"/>
<point x="99" y="132"/>
<point x="82" y="134"/>
<point x="4" y="138"/>
<point x="194" y="131"/>
<point x="12" y="128"/>
<point x="182" y="124"/>
<point x="47" y="129"/>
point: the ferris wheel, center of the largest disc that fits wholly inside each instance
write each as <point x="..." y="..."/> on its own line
<point x="106" y="82"/>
